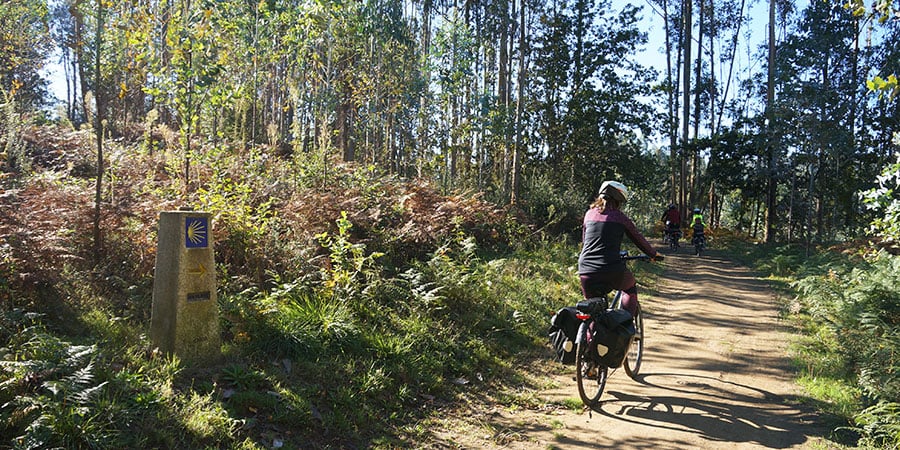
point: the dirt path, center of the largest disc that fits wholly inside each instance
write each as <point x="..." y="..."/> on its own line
<point x="715" y="376"/>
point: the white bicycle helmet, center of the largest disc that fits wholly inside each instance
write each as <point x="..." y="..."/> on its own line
<point x="615" y="190"/>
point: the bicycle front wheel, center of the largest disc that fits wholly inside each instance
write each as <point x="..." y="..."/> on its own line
<point x="636" y="350"/>
<point x="590" y="376"/>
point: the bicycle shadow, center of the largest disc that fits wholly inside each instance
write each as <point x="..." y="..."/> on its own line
<point x="717" y="410"/>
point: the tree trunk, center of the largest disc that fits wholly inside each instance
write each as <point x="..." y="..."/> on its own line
<point x="252" y="97"/>
<point x="698" y="67"/>
<point x="693" y="182"/>
<point x="772" y="187"/>
<point x="852" y="205"/>
<point x="343" y="126"/>
<point x="520" y="96"/>
<point x="98" y="127"/>
<point x="503" y="90"/>
<point x="713" y="31"/>
<point x="671" y="91"/>
<point x="424" y="98"/>
<point x="78" y="16"/>
<point x="790" y="236"/>
<point x="734" y="42"/>
<point x="686" y="115"/>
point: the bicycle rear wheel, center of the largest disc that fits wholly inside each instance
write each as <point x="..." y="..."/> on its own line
<point x="590" y="376"/>
<point x="636" y="350"/>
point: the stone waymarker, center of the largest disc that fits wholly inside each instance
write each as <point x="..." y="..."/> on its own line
<point x="185" y="318"/>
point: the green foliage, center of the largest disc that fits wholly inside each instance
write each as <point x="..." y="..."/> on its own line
<point x="879" y="426"/>
<point x="55" y="394"/>
<point x="25" y="46"/>
<point x="329" y="341"/>
<point x="348" y="264"/>
<point x="206" y="418"/>
<point x="556" y="209"/>
<point x="12" y="145"/>
<point x="187" y="76"/>
<point x="587" y="96"/>
<point x="50" y="393"/>
<point x="450" y="321"/>
<point x="885" y="200"/>
<point x="849" y="310"/>
<point x="883" y="86"/>
<point x="861" y="309"/>
<point x="231" y="194"/>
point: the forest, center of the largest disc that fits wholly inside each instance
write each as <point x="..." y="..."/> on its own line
<point x="360" y="158"/>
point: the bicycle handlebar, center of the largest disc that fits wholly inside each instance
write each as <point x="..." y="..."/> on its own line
<point x="626" y="257"/>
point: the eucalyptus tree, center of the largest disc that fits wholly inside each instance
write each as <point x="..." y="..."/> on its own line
<point x="388" y="89"/>
<point x="703" y="68"/>
<point x="124" y="64"/>
<point x="884" y="115"/>
<point x="99" y="123"/>
<point x="589" y="91"/>
<point x="25" y="45"/>
<point x="491" y="104"/>
<point x="882" y="199"/>
<point x="551" y="75"/>
<point x="63" y="33"/>
<point x="819" y="90"/>
<point x="454" y="53"/>
<point x="670" y="12"/>
<point x="771" y="151"/>
<point x="518" y="148"/>
<point x="83" y="25"/>
<point x="191" y="70"/>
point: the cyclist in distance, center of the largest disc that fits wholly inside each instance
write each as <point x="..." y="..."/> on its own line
<point x="698" y="227"/>
<point x="696" y="215"/>
<point x="671" y="219"/>
<point x="600" y="264"/>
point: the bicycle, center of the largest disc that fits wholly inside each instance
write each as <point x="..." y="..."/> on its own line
<point x="699" y="241"/>
<point x="671" y="235"/>
<point x="589" y="368"/>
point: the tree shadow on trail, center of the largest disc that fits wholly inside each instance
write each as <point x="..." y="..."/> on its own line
<point x="717" y="410"/>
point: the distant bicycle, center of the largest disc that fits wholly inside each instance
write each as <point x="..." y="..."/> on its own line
<point x="671" y="235"/>
<point x="699" y="243"/>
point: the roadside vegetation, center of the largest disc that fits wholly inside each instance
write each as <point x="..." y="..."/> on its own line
<point x="352" y="319"/>
<point x="843" y="300"/>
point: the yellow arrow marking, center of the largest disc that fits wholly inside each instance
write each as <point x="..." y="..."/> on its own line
<point x="199" y="271"/>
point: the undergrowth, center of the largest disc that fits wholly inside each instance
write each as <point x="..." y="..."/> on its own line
<point x="348" y="314"/>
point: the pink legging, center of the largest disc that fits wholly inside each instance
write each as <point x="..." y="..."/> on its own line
<point x="598" y="284"/>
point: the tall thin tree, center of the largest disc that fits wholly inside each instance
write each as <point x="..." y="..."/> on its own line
<point x="686" y="44"/>
<point x="772" y="186"/>
<point x="99" y="119"/>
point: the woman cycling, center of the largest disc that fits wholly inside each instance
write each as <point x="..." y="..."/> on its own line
<point x="600" y="264"/>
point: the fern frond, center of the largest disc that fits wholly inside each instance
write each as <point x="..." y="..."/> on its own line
<point x="81" y="352"/>
<point x="81" y="377"/>
<point x="86" y="396"/>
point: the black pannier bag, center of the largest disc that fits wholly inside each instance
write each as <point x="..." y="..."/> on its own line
<point x="563" y="328"/>
<point x="612" y="334"/>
